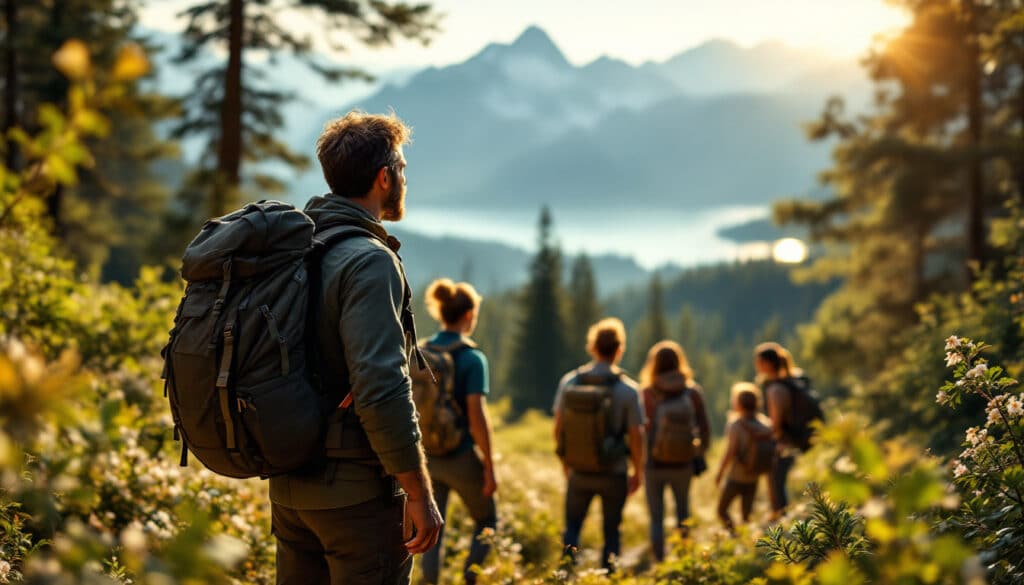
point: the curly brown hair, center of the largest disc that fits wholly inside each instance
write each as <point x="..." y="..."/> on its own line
<point x="352" y="150"/>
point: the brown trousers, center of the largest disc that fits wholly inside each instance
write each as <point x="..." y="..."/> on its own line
<point x="342" y="546"/>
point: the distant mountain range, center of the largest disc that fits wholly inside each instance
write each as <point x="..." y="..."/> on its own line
<point x="517" y="125"/>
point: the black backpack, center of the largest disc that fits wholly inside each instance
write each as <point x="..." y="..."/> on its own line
<point x="805" y="408"/>
<point x="243" y="395"/>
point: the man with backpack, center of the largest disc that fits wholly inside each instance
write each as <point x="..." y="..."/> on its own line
<point x="599" y="432"/>
<point x="344" y="524"/>
<point x="288" y="361"/>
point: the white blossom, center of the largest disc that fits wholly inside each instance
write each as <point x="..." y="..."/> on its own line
<point x="953" y="358"/>
<point x="5" y="570"/>
<point x="993" y="417"/>
<point x="941" y="397"/>
<point x="976" y="436"/>
<point x="952" y="342"/>
<point x="1015" y="406"/>
<point x="977" y="371"/>
<point x="959" y="470"/>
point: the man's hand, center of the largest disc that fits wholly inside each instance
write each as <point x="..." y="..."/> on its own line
<point x="490" y="484"/>
<point x="425" y="518"/>
<point x="634" y="481"/>
<point x="420" y="510"/>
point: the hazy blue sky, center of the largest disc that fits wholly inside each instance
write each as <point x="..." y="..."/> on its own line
<point x="636" y="31"/>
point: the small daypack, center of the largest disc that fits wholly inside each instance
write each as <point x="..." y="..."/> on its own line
<point x="442" y="421"/>
<point x="588" y="441"/>
<point x="805" y="408"/>
<point x="759" y="456"/>
<point x="674" y="433"/>
<point x="242" y="398"/>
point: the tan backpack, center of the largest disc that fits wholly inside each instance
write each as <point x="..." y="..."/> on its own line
<point x="442" y="421"/>
<point x="587" y="441"/>
<point x="674" y="432"/>
<point x="759" y="455"/>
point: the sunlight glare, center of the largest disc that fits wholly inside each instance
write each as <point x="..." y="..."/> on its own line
<point x="789" y="251"/>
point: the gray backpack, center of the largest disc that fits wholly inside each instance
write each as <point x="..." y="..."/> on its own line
<point x="243" y="396"/>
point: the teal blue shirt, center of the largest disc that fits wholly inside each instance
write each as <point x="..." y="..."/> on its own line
<point x="471" y="375"/>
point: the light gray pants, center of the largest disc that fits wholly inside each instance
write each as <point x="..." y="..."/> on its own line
<point x="659" y="478"/>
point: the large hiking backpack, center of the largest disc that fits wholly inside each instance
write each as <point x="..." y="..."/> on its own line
<point x="442" y="421"/>
<point x="759" y="456"/>
<point x="242" y="398"/>
<point x="674" y="427"/>
<point x="805" y="408"/>
<point x="588" y="441"/>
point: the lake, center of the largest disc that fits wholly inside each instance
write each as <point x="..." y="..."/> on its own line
<point x="653" y="237"/>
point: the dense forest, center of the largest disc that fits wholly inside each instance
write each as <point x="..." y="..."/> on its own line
<point x="909" y="316"/>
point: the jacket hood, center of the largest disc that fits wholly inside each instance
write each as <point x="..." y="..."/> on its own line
<point x="328" y="211"/>
<point x="671" y="383"/>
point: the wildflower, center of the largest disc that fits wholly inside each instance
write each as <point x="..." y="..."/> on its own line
<point x="941" y="397"/>
<point x="845" y="465"/>
<point x="959" y="470"/>
<point x="1015" y="406"/>
<point x="953" y="358"/>
<point x="5" y="570"/>
<point x="952" y="342"/>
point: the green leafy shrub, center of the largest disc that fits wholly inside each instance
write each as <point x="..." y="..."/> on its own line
<point x="989" y="473"/>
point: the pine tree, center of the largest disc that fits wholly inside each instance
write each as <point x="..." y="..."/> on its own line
<point x="540" y="347"/>
<point x="117" y="201"/>
<point x="908" y="190"/>
<point x="584" y="308"/>
<point x="237" y="109"/>
<point x="652" y="329"/>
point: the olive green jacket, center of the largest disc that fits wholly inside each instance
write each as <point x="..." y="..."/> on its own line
<point x="363" y="348"/>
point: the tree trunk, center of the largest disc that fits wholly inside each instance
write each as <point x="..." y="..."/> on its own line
<point x="55" y="203"/>
<point x="11" y="79"/>
<point x="975" y="120"/>
<point x="229" y="155"/>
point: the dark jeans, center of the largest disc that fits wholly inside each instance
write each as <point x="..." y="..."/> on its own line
<point x="777" y="482"/>
<point x="355" y="544"/>
<point x="659" y="478"/>
<point x="463" y="473"/>
<point x="612" y="489"/>
<point x="746" y="492"/>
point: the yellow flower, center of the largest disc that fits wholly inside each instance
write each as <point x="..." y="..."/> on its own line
<point x="72" y="59"/>
<point x="131" y="63"/>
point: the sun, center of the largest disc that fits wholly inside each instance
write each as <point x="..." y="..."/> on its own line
<point x="846" y="27"/>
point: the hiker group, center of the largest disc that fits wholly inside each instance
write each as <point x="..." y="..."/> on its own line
<point x="294" y="357"/>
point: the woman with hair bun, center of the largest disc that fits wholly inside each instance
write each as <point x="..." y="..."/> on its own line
<point x="467" y="468"/>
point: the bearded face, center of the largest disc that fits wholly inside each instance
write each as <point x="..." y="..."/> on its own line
<point x="393" y="207"/>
